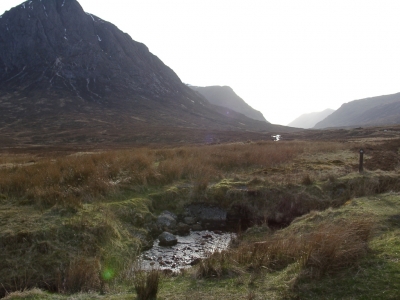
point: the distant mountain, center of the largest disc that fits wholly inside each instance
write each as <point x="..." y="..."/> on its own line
<point x="309" y="120"/>
<point x="67" y="75"/>
<point x="375" y="111"/>
<point x="225" y="96"/>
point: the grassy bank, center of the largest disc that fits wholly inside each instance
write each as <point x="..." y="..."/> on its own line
<point x="347" y="253"/>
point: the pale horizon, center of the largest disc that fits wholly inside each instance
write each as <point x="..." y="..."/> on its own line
<point x="284" y="58"/>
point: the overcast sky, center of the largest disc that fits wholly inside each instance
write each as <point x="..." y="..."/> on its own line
<point x="283" y="57"/>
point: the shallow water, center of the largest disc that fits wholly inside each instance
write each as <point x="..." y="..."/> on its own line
<point x="187" y="252"/>
<point x="276" y="137"/>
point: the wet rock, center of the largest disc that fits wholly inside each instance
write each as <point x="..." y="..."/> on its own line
<point x="166" y="212"/>
<point x="213" y="216"/>
<point x="195" y="261"/>
<point x="166" y="220"/>
<point x="167" y="239"/>
<point x="189" y="220"/>
<point x="197" y="227"/>
<point x="183" y="229"/>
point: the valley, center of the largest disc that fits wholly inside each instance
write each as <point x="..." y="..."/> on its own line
<point x="119" y="181"/>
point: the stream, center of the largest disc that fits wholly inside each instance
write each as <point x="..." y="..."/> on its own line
<point x="187" y="252"/>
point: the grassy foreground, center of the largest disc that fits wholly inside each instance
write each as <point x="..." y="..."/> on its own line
<point x="72" y="225"/>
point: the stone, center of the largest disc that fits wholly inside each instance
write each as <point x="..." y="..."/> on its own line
<point x="167" y="239"/>
<point x="189" y="220"/>
<point x="167" y="212"/>
<point x="214" y="216"/>
<point x="197" y="227"/>
<point x="195" y="261"/>
<point x="183" y="229"/>
<point x="166" y="220"/>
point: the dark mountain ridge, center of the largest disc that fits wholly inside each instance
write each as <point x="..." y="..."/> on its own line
<point x="66" y="75"/>
<point x="374" y="111"/>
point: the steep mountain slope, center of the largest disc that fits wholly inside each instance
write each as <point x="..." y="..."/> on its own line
<point x="309" y="120"/>
<point x="373" y="111"/>
<point x="66" y="75"/>
<point x="385" y="114"/>
<point x="225" y="96"/>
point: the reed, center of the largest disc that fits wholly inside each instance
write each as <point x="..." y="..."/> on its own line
<point x="326" y="248"/>
<point x="75" y="179"/>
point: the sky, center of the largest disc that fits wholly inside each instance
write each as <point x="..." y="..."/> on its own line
<point x="283" y="57"/>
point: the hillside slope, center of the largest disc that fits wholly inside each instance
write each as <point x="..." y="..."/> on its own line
<point x="373" y="111"/>
<point x="225" y="96"/>
<point x="311" y="119"/>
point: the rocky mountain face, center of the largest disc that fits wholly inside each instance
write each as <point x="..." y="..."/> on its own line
<point x="67" y="75"/>
<point x="309" y="120"/>
<point x="225" y="96"/>
<point x="375" y="111"/>
<point x="54" y="44"/>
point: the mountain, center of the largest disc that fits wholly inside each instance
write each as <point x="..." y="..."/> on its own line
<point x="69" y="76"/>
<point x="374" y="111"/>
<point x="309" y="120"/>
<point x="225" y="96"/>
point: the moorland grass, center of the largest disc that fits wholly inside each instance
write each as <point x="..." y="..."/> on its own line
<point x="75" y="179"/>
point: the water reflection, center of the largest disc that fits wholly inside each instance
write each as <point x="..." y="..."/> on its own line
<point x="188" y="252"/>
<point x="276" y="137"/>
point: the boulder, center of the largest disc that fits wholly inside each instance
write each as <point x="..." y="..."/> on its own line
<point x="183" y="229"/>
<point x="195" y="261"/>
<point x="197" y="227"/>
<point x="167" y="239"/>
<point x="166" y="220"/>
<point x="210" y="216"/>
<point x="189" y="220"/>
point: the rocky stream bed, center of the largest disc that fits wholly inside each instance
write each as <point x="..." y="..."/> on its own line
<point x="182" y="241"/>
<point x="187" y="252"/>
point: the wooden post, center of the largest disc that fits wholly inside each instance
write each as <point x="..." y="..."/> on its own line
<point x="361" y="167"/>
